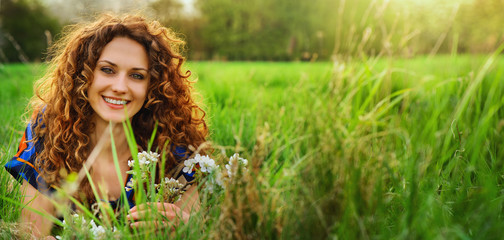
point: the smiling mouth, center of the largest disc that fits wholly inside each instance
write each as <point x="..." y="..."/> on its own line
<point x="115" y="101"/>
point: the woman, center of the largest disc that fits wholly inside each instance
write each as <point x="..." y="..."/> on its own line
<point x="110" y="70"/>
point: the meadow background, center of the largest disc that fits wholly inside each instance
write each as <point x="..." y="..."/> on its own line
<point x="387" y="125"/>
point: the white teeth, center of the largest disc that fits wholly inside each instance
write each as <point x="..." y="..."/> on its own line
<point x="114" y="101"/>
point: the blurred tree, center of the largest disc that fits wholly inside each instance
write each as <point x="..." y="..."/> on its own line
<point x="480" y="25"/>
<point x="307" y="30"/>
<point x="266" y="30"/>
<point x="167" y="10"/>
<point x="26" y="29"/>
<point x="71" y="11"/>
<point x="170" y="13"/>
<point x="275" y="30"/>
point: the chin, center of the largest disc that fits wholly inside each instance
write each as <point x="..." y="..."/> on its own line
<point x="115" y="119"/>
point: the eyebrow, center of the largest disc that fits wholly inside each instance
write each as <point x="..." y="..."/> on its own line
<point x="115" y="65"/>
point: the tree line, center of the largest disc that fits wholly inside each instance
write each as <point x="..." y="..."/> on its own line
<point x="280" y="30"/>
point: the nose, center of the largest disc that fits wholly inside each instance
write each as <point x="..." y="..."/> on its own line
<point x="120" y="84"/>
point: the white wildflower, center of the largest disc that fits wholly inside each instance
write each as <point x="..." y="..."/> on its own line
<point x="77" y="218"/>
<point x="97" y="231"/>
<point x="205" y="163"/>
<point x="145" y="159"/>
<point x="218" y="179"/>
<point x="213" y="181"/>
<point x="189" y="165"/>
<point x="172" y="183"/>
<point x="131" y="163"/>
<point x="236" y="162"/>
<point x="141" y="160"/>
<point x="171" y="190"/>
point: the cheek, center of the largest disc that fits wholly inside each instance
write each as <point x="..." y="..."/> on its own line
<point x="91" y="90"/>
<point x="95" y="85"/>
<point x="140" y="93"/>
<point x="144" y="90"/>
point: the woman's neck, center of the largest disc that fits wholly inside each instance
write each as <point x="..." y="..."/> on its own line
<point x="106" y="174"/>
<point x="102" y="130"/>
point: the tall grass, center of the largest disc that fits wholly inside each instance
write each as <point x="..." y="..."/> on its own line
<point x="374" y="149"/>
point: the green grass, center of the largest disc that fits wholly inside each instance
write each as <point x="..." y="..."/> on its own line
<point x="393" y="148"/>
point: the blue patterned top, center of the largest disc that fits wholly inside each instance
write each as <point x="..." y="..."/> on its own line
<point x="22" y="166"/>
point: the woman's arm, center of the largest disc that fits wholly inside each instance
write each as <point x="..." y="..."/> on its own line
<point x="190" y="200"/>
<point x="39" y="225"/>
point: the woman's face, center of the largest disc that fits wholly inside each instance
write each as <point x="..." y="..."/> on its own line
<point x="121" y="79"/>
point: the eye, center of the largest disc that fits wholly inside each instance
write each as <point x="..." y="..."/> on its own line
<point x="137" y="76"/>
<point x="107" y="70"/>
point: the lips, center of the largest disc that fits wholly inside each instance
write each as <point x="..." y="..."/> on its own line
<point x="115" y="101"/>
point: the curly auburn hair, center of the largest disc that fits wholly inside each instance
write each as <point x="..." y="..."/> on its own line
<point x="62" y="106"/>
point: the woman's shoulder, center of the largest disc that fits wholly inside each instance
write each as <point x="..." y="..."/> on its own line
<point x="180" y="152"/>
<point x="22" y="164"/>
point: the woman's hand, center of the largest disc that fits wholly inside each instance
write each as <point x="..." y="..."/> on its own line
<point x="165" y="214"/>
<point x="157" y="214"/>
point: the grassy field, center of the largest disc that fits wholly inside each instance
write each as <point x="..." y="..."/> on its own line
<point x="375" y="149"/>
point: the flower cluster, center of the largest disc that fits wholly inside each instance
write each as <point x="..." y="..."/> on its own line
<point x="169" y="190"/>
<point x="97" y="231"/>
<point x="204" y="166"/>
<point x="145" y="159"/>
<point x="204" y="163"/>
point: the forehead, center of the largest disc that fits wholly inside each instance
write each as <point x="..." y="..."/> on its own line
<point x="125" y="52"/>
